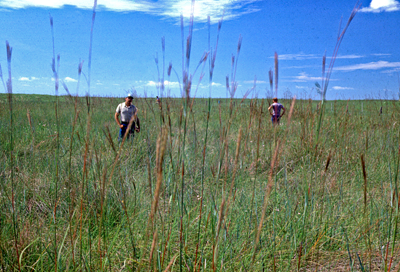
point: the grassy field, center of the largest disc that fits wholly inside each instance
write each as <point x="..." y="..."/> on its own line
<point x="230" y="194"/>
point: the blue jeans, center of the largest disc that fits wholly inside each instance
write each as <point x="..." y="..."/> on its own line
<point x="122" y="131"/>
<point x="275" y="119"/>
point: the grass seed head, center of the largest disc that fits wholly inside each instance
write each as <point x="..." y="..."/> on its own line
<point x="239" y="43"/>
<point x="271" y="78"/>
<point x="9" y="51"/>
<point x="169" y="69"/>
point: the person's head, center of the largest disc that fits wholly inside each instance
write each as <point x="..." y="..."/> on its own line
<point x="275" y="100"/>
<point x="128" y="99"/>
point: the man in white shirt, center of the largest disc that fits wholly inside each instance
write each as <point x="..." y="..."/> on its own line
<point x="127" y="111"/>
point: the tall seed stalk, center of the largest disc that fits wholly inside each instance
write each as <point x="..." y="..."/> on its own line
<point x="211" y="62"/>
<point x="326" y="78"/>
<point x="187" y="83"/>
<point x="270" y="183"/>
<point x="11" y="154"/>
<point x="56" y="178"/>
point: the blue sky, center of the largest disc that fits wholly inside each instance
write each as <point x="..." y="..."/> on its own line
<point x="127" y="37"/>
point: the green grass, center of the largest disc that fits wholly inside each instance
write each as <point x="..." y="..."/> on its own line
<point x="315" y="217"/>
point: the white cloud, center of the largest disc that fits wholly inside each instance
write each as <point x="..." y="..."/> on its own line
<point x="68" y="79"/>
<point x="381" y="54"/>
<point x="206" y="85"/>
<point x="302" y="56"/>
<point x="303" y="77"/>
<point x="342" y="88"/>
<point x="170" y="9"/>
<point x="214" y="8"/>
<point x="300" y="67"/>
<point x="116" y="5"/>
<point x="27" y="78"/>
<point x="391" y="71"/>
<point x="257" y="82"/>
<point x="349" y="57"/>
<point x="170" y="84"/>
<point x="369" y="66"/>
<point x="377" y="6"/>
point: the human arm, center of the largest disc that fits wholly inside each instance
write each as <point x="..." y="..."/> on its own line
<point x="283" y="110"/>
<point x="116" y="116"/>
<point x="136" y="119"/>
<point x="137" y="129"/>
<point x="269" y="110"/>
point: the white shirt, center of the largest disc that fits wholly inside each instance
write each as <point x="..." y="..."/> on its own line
<point x="126" y="112"/>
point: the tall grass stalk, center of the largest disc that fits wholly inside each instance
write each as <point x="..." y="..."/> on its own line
<point x="270" y="183"/>
<point x="326" y="78"/>
<point x="276" y="74"/>
<point x="90" y="55"/>
<point x="161" y="147"/>
<point x="56" y="177"/>
<point x="187" y="84"/>
<point x="365" y="181"/>
<point x="11" y="155"/>
<point x="3" y="183"/>
<point x="87" y="141"/>
<point x="71" y="200"/>
<point x="211" y="62"/>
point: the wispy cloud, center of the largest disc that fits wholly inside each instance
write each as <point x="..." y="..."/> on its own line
<point x="69" y="79"/>
<point x="349" y="56"/>
<point x="300" y="66"/>
<point x="27" y="78"/>
<point x="304" y="77"/>
<point x="170" y="84"/>
<point x="302" y="56"/>
<point x="342" y="88"/>
<point x="115" y="5"/>
<point x="391" y="71"/>
<point x="381" y="55"/>
<point x="206" y="86"/>
<point x="257" y="82"/>
<point x="369" y="66"/>
<point x="214" y="84"/>
<point x="377" y="6"/>
<point x="231" y="9"/>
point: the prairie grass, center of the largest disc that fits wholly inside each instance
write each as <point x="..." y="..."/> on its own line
<point x="334" y="207"/>
<point x="208" y="184"/>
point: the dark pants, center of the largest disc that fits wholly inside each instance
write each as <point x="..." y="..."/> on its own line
<point x="275" y="119"/>
<point x="123" y="130"/>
